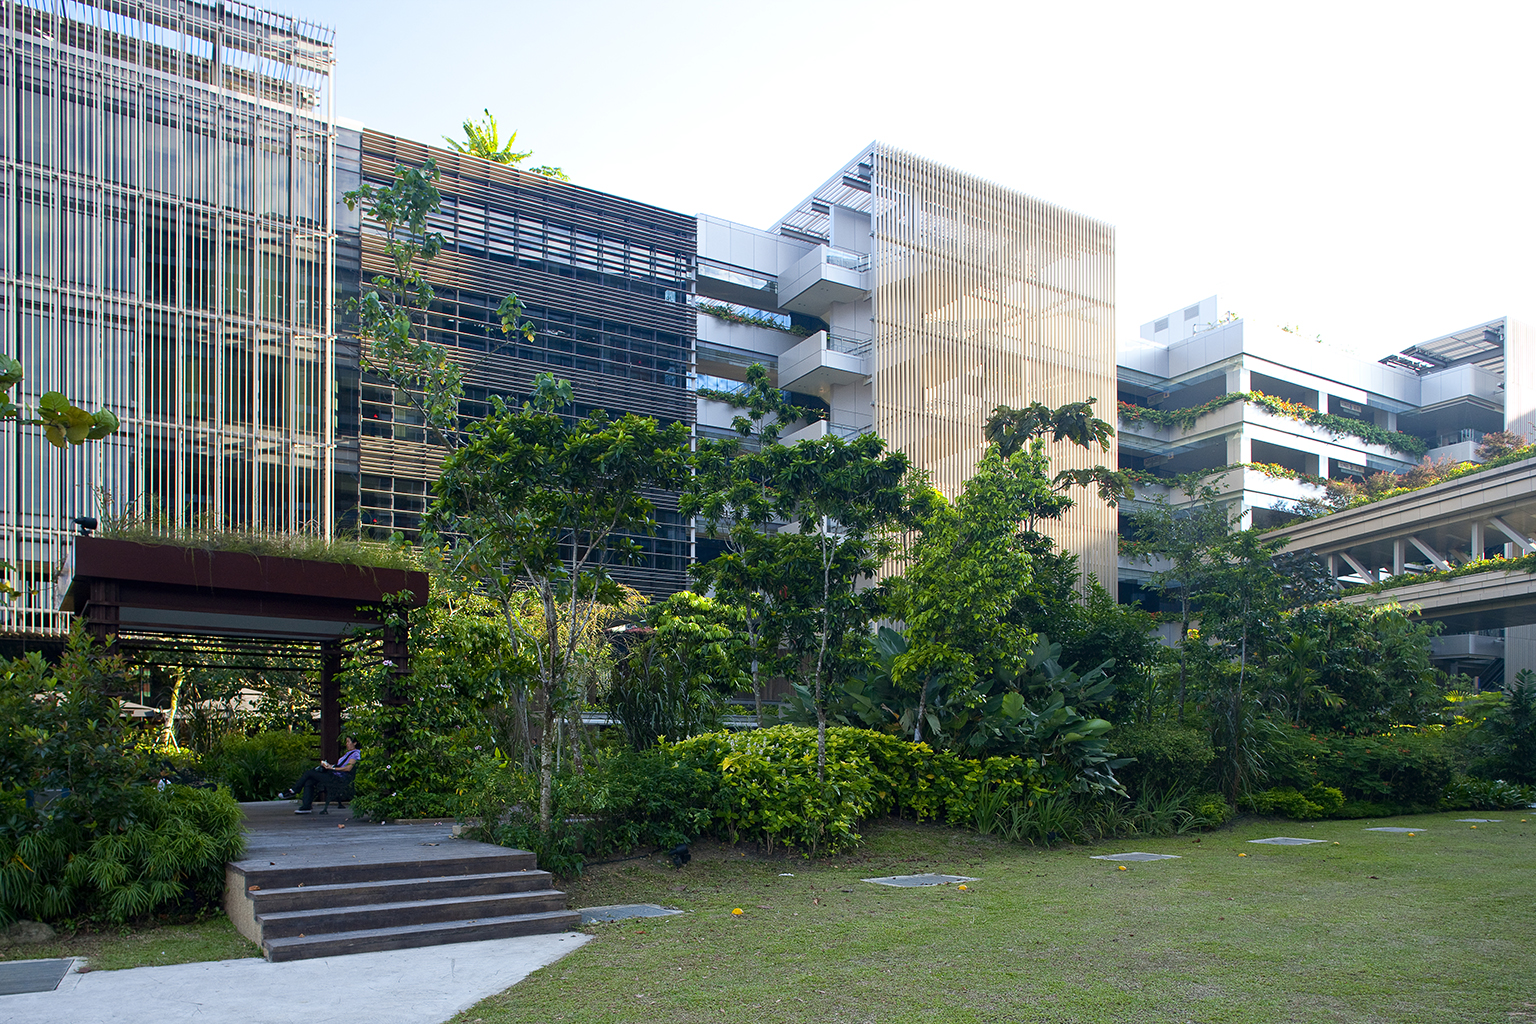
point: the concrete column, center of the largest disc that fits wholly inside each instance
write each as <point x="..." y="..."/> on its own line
<point x="1477" y="540"/>
<point x="1519" y="651"/>
<point x="1399" y="556"/>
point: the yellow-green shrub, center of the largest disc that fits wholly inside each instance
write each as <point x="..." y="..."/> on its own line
<point x="768" y="790"/>
<point x="1318" y="801"/>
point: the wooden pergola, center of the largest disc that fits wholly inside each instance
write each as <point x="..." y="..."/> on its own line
<point x="197" y="607"/>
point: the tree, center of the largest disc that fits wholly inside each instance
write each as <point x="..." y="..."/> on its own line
<point x="1241" y="610"/>
<point x="1013" y="430"/>
<point x="1508" y="732"/>
<point x="63" y="425"/>
<point x="1187" y="538"/>
<point x="839" y="501"/>
<point x="538" y="507"/>
<point x="674" y="673"/>
<point x="733" y="498"/>
<point x="1371" y="668"/>
<point x="482" y="139"/>
<point x="392" y="313"/>
<point x="968" y="577"/>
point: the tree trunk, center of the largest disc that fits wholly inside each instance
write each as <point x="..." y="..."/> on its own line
<point x="178" y="675"/>
<point x="547" y="744"/>
<point x="821" y="735"/>
<point x="578" y="735"/>
<point x="922" y="709"/>
<point x="757" y="692"/>
<point x="821" y="654"/>
<point x="1183" y="658"/>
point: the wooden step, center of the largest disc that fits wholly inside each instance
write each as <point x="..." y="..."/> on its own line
<point x="412" y="936"/>
<point x="393" y="890"/>
<point x="329" y="920"/>
<point x="341" y="872"/>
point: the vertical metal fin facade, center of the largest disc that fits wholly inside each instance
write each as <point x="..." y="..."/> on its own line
<point x="166" y="253"/>
<point x="987" y="297"/>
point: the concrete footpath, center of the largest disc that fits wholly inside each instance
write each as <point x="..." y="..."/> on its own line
<point x="401" y="986"/>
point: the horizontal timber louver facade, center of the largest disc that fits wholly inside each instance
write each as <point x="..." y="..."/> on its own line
<point x="605" y="281"/>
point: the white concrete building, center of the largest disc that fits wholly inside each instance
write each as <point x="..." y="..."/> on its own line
<point x="1435" y="400"/>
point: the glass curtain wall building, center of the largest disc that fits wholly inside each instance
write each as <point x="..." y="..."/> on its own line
<point x="607" y="283"/>
<point x="165" y="253"/>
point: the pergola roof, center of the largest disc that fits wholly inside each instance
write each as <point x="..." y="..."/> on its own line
<point x="231" y="599"/>
<point x="225" y="609"/>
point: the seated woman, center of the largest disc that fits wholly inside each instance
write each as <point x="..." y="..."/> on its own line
<point x="327" y="773"/>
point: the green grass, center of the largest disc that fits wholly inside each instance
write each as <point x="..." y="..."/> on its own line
<point x="214" y="939"/>
<point x="342" y="550"/>
<point x="1381" y="927"/>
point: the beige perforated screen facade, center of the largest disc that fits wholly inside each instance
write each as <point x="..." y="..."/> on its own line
<point x="984" y="297"/>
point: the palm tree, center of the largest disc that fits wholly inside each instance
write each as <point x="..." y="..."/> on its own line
<point x="482" y="139"/>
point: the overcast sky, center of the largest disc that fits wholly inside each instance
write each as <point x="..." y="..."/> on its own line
<point x="1364" y="170"/>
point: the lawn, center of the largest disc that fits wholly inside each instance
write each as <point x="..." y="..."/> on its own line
<point x="1437" y="926"/>
<point x="152" y="946"/>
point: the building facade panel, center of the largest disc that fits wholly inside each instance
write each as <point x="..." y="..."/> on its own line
<point x="166" y="255"/>
<point x="986" y="297"/>
<point x="607" y="284"/>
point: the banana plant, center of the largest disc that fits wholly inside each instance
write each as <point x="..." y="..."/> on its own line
<point x="1046" y="712"/>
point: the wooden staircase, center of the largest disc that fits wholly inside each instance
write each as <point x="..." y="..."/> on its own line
<point x="349" y="902"/>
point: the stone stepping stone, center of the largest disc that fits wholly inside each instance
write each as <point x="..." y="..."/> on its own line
<point x="1385" y="829"/>
<point x="623" y="912"/>
<point x="1288" y="841"/>
<point x="1136" y="856"/>
<point x="1479" y="820"/>
<point x="20" y="976"/>
<point x="916" y="881"/>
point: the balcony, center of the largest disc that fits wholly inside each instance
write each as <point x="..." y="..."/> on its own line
<point x="847" y="426"/>
<point x="822" y="360"/>
<point x="823" y="276"/>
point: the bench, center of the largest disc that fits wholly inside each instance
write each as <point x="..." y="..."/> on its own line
<point x="339" y="790"/>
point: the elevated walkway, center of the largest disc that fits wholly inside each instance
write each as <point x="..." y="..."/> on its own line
<point x="1483" y="515"/>
<point x="1451" y="523"/>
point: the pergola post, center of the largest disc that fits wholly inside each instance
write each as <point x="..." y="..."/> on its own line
<point x="330" y="701"/>
<point x="102" y="613"/>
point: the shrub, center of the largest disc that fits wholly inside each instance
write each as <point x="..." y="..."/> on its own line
<point x="256" y="767"/>
<point x="1167" y="756"/>
<point x="770" y="792"/>
<point x="1488" y="795"/>
<point x="166" y="848"/>
<point x="1406" y="769"/>
<point x="1318" y="801"/>
<point x="82" y="831"/>
<point x="758" y="786"/>
<point x="63" y="731"/>
<point x="420" y="731"/>
<point x="1507" y="733"/>
<point x="1213" y="807"/>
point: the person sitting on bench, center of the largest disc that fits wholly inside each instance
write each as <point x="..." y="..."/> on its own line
<point x="326" y="775"/>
